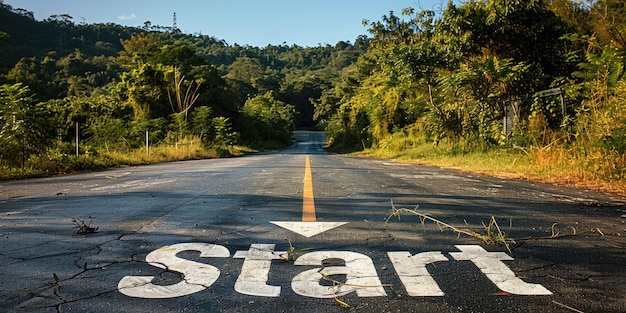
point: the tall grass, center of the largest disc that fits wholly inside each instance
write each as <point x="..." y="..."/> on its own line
<point x="555" y="163"/>
<point x="54" y="162"/>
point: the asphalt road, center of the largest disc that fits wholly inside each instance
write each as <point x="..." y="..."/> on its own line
<point x="210" y="236"/>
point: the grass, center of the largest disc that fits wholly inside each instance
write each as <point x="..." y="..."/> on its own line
<point x="554" y="163"/>
<point x="55" y="163"/>
<point x="489" y="234"/>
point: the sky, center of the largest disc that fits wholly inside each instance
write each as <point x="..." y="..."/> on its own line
<point x="257" y="23"/>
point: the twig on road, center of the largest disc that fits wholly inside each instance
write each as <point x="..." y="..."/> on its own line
<point x="567" y="307"/>
<point x="84" y="228"/>
<point x="491" y="234"/>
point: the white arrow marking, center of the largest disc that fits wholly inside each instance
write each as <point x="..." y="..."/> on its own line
<point x="308" y="229"/>
<point x="309" y="226"/>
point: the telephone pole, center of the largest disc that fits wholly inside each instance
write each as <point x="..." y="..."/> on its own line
<point x="174" y="26"/>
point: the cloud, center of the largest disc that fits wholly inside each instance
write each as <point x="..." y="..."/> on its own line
<point x="127" y="17"/>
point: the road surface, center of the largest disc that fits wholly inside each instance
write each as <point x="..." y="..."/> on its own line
<point x="303" y="230"/>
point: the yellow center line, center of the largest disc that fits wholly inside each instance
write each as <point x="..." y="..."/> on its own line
<point x="308" y="203"/>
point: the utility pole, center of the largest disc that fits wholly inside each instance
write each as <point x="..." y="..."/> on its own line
<point x="77" y="138"/>
<point x="174" y="26"/>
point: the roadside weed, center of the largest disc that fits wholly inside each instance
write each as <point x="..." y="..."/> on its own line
<point x="84" y="228"/>
<point x="490" y="234"/>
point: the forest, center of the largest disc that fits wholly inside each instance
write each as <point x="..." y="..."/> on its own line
<point x="79" y="96"/>
<point x="535" y="80"/>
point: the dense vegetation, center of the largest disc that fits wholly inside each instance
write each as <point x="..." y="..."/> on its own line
<point x="538" y="82"/>
<point x="189" y="96"/>
<point x="448" y="83"/>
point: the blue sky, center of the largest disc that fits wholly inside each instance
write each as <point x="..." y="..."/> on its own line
<point x="245" y="22"/>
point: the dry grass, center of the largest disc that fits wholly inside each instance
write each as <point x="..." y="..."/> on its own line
<point x="337" y="284"/>
<point x="56" y="163"/>
<point x="84" y="228"/>
<point x="292" y="253"/>
<point x="489" y="234"/>
<point x="553" y="163"/>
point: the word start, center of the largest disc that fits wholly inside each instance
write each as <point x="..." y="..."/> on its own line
<point x="360" y="273"/>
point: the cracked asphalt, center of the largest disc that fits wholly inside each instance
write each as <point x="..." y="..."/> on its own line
<point x="47" y="267"/>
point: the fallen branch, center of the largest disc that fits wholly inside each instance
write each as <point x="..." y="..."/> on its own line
<point x="567" y="307"/>
<point x="490" y="236"/>
<point x="84" y="228"/>
<point x="292" y="254"/>
<point x="337" y="284"/>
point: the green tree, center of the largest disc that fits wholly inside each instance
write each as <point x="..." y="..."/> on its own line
<point x="601" y="120"/>
<point x="144" y="89"/>
<point x="300" y="91"/>
<point x="521" y="30"/>
<point x="476" y="96"/>
<point x="224" y="134"/>
<point x="181" y="56"/>
<point x="4" y="37"/>
<point x="243" y="75"/>
<point x="202" y="124"/>
<point x="179" y="127"/>
<point x="103" y="120"/>
<point x="27" y="71"/>
<point x="27" y="128"/>
<point x="267" y="120"/>
<point x="139" y="49"/>
<point x="608" y="22"/>
<point x="182" y="94"/>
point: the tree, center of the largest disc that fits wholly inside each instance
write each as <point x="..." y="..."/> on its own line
<point x="184" y="94"/>
<point x="608" y="22"/>
<point x="601" y="120"/>
<point x="243" y="75"/>
<point x="300" y="91"/>
<point x="139" y="49"/>
<point x="143" y="89"/>
<point x="223" y="132"/>
<point x="201" y="124"/>
<point x="521" y="30"/>
<point x="215" y="92"/>
<point x="4" y="37"/>
<point x="267" y="120"/>
<point x="27" y="128"/>
<point x="476" y="96"/>
<point x="27" y="71"/>
<point x="180" y="56"/>
<point x="62" y="19"/>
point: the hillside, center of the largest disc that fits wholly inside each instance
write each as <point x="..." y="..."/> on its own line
<point x="297" y="74"/>
<point x="538" y="86"/>
<point x="59" y="35"/>
<point x="107" y="87"/>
